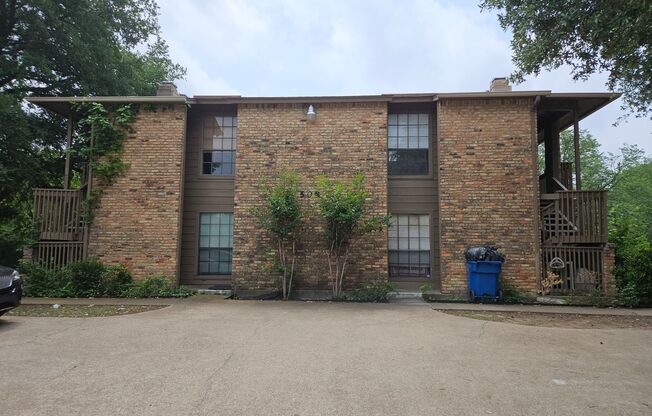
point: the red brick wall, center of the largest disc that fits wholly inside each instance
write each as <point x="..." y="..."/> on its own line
<point x="344" y="138"/>
<point x="137" y="222"/>
<point x="609" y="262"/>
<point x="488" y="186"/>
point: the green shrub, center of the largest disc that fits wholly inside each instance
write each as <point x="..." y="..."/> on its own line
<point x="343" y="206"/>
<point x="90" y="278"/>
<point x="116" y="279"/>
<point x="42" y="282"/>
<point x="511" y="294"/>
<point x="633" y="273"/>
<point x="86" y="278"/>
<point x="633" y="270"/>
<point x="376" y="291"/>
<point x="155" y="287"/>
<point x="280" y="215"/>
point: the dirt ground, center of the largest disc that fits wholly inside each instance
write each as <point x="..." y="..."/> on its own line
<point x="558" y="320"/>
<point x="80" y="311"/>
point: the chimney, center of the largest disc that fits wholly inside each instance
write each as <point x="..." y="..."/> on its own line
<point x="499" y="85"/>
<point x="167" y="89"/>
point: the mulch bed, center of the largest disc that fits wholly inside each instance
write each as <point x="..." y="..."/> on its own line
<point x="559" y="320"/>
<point x="81" y="311"/>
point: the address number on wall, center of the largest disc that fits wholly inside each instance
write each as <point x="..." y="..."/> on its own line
<point x="308" y="194"/>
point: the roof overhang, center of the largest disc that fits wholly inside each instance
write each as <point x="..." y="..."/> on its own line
<point x="560" y="106"/>
<point x="563" y="107"/>
<point x="493" y="94"/>
<point x="65" y="105"/>
<point x="390" y="98"/>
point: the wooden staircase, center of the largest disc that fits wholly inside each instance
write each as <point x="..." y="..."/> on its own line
<point x="62" y="231"/>
<point x="573" y="239"/>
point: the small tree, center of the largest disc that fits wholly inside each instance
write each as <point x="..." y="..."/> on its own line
<point x="281" y="216"/>
<point x="342" y="206"/>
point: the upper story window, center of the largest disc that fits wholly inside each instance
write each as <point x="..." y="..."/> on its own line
<point x="219" y="137"/>
<point x="407" y="144"/>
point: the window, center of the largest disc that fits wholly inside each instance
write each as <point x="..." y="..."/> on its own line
<point x="219" y="145"/>
<point x="215" y="243"/>
<point x="409" y="246"/>
<point x="407" y="144"/>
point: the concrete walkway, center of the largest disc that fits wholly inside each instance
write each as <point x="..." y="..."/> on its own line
<point x="208" y="356"/>
<point x="581" y="310"/>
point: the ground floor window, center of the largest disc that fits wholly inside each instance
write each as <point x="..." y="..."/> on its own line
<point x="215" y="243"/>
<point x="409" y="246"/>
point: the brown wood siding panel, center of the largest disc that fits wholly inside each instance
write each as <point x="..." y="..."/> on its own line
<point x="201" y="194"/>
<point x="420" y="195"/>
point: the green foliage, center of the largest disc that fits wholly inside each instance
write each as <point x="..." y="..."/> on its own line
<point x="342" y="205"/>
<point x="155" y="287"/>
<point x="628" y="177"/>
<point x="511" y="294"/>
<point x="630" y="230"/>
<point x="116" y="278"/>
<point x="42" y="282"/>
<point x="86" y="278"/>
<point x="83" y="47"/>
<point x="281" y="213"/>
<point x="17" y="230"/>
<point x="91" y="278"/>
<point x="595" y="298"/>
<point x="102" y="132"/>
<point x="64" y="48"/>
<point x="373" y="292"/>
<point x="343" y="209"/>
<point x="600" y="170"/>
<point x="586" y="35"/>
<point x="425" y="288"/>
<point x="281" y="216"/>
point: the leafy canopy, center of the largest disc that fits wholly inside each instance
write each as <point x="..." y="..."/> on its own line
<point x="82" y="47"/>
<point x="342" y="205"/>
<point x="64" y="48"/>
<point x="630" y="230"/>
<point x="281" y="213"/>
<point x="600" y="170"/>
<point x="589" y="36"/>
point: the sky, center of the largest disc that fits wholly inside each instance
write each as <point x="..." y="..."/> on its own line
<point x="357" y="47"/>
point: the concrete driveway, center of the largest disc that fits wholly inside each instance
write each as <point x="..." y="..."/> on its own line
<point x="206" y="356"/>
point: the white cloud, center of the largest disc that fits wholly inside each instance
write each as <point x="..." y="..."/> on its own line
<point x="336" y="47"/>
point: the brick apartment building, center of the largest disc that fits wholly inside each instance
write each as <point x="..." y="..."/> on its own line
<point x="453" y="170"/>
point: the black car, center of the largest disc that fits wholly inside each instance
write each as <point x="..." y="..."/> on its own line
<point x="11" y="289"/>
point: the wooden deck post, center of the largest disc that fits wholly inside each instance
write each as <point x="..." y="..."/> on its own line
<point x="89" y="189"/>
<point x="66" y="173"/>
<point x="576" y="143"/>
<point x="553" y="154"/>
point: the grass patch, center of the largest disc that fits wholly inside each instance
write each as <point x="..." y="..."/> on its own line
<point x="559" y="320"/>
<point x="81" y="311"/>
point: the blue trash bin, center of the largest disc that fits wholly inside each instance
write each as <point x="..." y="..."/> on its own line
<point x="484" y="279"/>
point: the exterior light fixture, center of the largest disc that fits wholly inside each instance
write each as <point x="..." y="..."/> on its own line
<point x="310" y="115"/>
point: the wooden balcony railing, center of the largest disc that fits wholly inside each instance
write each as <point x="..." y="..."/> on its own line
<point x="59" y="212"/>
<point x="580" y="269"/>
<point x="576" y="217"/>
<point x="55" y="254"/>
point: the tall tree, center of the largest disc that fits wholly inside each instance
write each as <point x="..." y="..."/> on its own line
<point x="600" y="170"/>
<point x="82" y="47"/>
<point x="64" y="48"/>
<point x="589" y="36"/>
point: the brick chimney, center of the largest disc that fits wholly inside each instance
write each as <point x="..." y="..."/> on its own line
<point x="167" y="89"/>
<point x="500" y="85"/>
